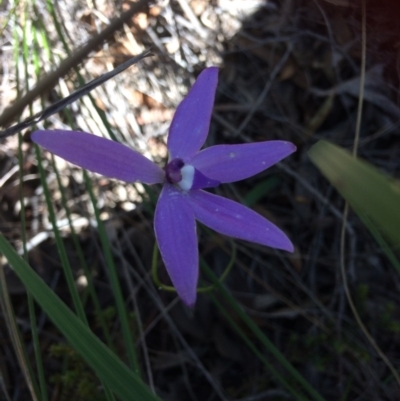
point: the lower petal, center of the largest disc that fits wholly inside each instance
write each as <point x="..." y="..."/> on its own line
<point x="235" y="220"/>
<point x="175" y="229"/>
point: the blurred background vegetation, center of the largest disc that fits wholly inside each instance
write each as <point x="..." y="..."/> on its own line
<point x="281" y="326"/>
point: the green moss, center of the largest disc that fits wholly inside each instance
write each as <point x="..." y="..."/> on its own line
<point x="77" y="382"/>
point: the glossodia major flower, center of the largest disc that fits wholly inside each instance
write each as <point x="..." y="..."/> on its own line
<point x="189" y="171"/>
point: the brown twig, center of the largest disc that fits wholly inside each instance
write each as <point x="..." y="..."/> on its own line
<point x="49" y="80"/>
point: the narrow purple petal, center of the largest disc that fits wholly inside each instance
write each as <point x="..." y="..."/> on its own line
<point x="235" y="220"/>
<point x="100" y="155"/>
<point x="175" y="229"/>
<point x="229" y="163"/>
<point x="191" y="122"/>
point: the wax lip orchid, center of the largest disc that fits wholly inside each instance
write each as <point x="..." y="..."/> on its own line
<point x="187" y="173"/>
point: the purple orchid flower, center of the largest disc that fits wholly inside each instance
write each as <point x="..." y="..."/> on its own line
<point x="188" y="172"/>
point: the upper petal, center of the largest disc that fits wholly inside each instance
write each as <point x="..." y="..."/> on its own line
<point x="191" y="122"/>
<point x="100" y="155"/>
<point x="175" y="229"/>
<point x="235" y="220"/>
<point x="228" y="163"/>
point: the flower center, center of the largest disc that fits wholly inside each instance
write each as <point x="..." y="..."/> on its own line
<point x="176" y="172"/>
<point x="186" y="176"/>
<point x="173" y="171"/>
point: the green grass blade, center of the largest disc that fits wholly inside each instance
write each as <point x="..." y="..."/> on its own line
<point x="60" y="244"/>
<point x="379" y="239"/>
<point x="291" y="370"/>
<point x="365" y="188"/>
<point x="120" y="379"/>
<point x="16" y="338"/>
<point x="82" y="260"/>
<point x="81" y="81"/>
<point x="36" y="391"/>
<point x="251" y="345"/>
<point x="260" y="190"/>
<point x="115" y="285"/>
<point x="31" y="304"/>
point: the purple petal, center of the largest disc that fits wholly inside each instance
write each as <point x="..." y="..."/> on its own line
<point x="191" y="122"/>
<point x="100" y="155"/>
<point x="200" y="181"/>
<point x="229" y="163"/>
<point x="175" y="229"/>
<point x="235" y="220"/>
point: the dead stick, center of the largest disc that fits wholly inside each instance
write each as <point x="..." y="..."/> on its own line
<point x="50" y="80"/>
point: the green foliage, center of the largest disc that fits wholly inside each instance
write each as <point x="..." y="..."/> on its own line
<point x="106" y="316"/>
<point x="374" y="196"/>
<point x="261" y="190"/>
<point x="77" y="382"/>
<point x="389" y="321"/>
<point x="110" y="370"/>
<point x="321" y="349"/>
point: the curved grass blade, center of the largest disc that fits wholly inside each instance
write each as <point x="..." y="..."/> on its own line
<point x="369" y="192"/>
<point x="111" y="371"/>
<point x="82" y="91"/>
